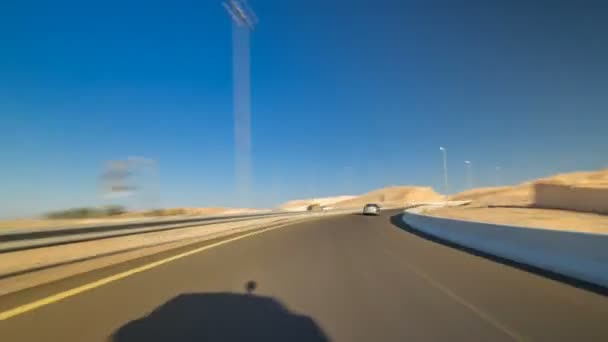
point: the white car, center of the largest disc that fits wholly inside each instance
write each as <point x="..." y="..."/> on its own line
<point x="371" y="209"/>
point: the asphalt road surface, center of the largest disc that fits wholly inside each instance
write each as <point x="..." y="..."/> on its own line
<point x="346" y="278"/>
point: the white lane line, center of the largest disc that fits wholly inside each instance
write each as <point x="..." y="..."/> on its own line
<point x="448" y="292"/>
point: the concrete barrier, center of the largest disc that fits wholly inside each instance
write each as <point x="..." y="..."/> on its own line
<point x="582" y="256"/>
<point x="572" y="197"/>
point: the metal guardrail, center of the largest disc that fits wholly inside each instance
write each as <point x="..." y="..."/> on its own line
<point x="20" y="240"/>
<point x="17" y="240"/>
<point x="14" y="235"/>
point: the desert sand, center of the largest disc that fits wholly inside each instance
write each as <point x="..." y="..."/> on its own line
<point x="524" y="194"/>
<point x="577" y="191"/>
<point x="393" y="196"/>
<point x="576" y="201"/>
<point x="302" y="204"/>
<point x="529" y="217"/>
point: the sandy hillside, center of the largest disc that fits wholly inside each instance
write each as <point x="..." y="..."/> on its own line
<point x="582" y="178"/>
<point x="215" y="211"/>
<point x="519" y="195"/>
<point x="182" y="211"/>
<point x="524" y="194"/>
<point x="301" y="204"/>
<point x="176" y="211"/>
<point x="529" y="217"/>
<point x="393" y="196"/>
<point x="576" y="201"/>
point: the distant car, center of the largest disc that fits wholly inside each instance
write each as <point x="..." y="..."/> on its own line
<point x="371" y="209"/>
<point x="314" y="208"/>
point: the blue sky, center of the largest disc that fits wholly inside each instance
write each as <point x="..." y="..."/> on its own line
<point x="368" y="85"/>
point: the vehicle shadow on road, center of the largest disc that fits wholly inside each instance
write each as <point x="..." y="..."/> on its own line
<point x="397" y="221"/>
<point x="221" y="317"/>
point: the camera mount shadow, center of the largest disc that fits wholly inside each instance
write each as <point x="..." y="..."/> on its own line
<point x="221" y="317"/>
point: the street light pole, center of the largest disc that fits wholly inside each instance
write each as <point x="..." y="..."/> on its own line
<point x="445" y="170"/>
<point x="469" y="173"/>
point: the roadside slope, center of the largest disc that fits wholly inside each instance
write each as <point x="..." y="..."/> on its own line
<point x="392" y="196"/>
<point x="524" y="194"/>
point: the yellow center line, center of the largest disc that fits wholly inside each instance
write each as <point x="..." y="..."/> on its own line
<point x="104" y="281"/>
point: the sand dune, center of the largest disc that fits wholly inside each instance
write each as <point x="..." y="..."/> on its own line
<point x="572" y="201"/>
<point x="525" y="194"/>
<point x="519" y="195"/>
<point x="390" y="196"/>
<point x="302" y="204"/>
<point x="393" y="196"/>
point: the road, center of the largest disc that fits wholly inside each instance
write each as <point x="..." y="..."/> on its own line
<point x="345" y="278"/>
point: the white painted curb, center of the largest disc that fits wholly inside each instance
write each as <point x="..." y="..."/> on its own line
<point x="583" y="256"/>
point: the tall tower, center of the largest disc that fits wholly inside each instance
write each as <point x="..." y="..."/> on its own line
<point x="243" y="22"/>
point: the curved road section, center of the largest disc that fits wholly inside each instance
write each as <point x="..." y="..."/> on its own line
<point x="346" y="278"/>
